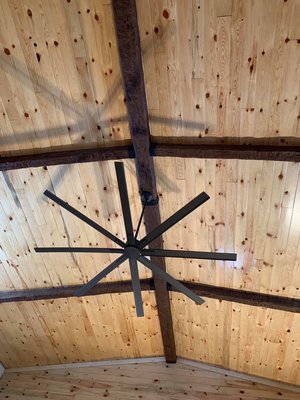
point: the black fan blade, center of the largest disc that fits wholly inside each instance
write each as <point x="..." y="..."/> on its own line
<point x="100" y="276"/>
<point x="172" y="281"/>
<point x="83" y="218"/>
<point x="77" y="250"/>
<point x="124" y="201"/>
<point x="201" y="255"/>
<point x="168" y="223"/>
<point x="136" y="287"/>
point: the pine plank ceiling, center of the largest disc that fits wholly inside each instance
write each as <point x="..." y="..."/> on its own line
<point x="222" y="69"/>
<point x="214" y="71"/>
<point x="148" y="381"/>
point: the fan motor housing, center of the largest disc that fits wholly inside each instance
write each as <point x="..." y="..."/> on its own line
<point x="132" y="252"/>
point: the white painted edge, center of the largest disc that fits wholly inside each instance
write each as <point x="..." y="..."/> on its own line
<point x="239" y="375"/>
<point x="105" y="363"/>
<point x="1" y="370"/>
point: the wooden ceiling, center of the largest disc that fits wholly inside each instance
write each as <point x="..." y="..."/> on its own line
<point x="136" y="381"/>
<point x="225" y="71"/>
<point x="60" y="76"/>
<point x="28" y="219"/>
<point x="222" y="68"/>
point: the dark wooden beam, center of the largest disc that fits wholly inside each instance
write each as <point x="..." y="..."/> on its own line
<point x="68" y="291"/>
<point x="66" y="157"/>
<point x="225" y="151"/>
<point x="214" y="292"/>
<point x="244" y="297"/>
<point x="218" y="151"/>
<point x="128" y="39"/>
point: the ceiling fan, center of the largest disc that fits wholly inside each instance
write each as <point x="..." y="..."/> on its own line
<point x="135" y="250"/>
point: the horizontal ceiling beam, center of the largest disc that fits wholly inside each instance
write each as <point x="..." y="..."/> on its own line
<point x="63" y="292"/>
<point x="227" y="151"/>
<point x="214" y="292"/>
<point x="66" y="157"/>
<point x="245" y="297"/>
<point x="217" y="151"/>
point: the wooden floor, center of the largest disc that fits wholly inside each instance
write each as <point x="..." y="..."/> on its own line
<point x="136" y="381"/>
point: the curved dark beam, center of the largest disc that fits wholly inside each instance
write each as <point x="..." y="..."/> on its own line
<point x="255" y="299"/>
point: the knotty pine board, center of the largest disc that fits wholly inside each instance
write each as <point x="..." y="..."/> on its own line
<point x="252" y="340"/>
<point x="222" y="70"/>
<point x="76" y="330"/>
<point x="29" y="219"/>
<point x="253" y="210"/>
<point x="140" y="381"/>
<point x="234" y="213"/>
<point x="213" y="70"/>
<point x="60" y="77"/>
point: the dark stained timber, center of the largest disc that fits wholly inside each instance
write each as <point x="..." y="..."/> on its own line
<point x="255" y="299"/>
<point x="218" y="151"/>
<point x="129" y="47"/>
<point x="226" y="151"/>
<point x="244" y="297"/>
<point x="68" y="291"/>
<point x="133" y="77"/>
<point x="66" y="157"/>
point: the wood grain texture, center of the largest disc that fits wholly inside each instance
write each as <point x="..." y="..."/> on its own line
<point x="64" y="292"/>
<point x="242" y="338"/>
<point x="147" y="381"/>
<point x="60" y="76"/>
<point x="227" y="151"/>
<point x="64" y="157"/>
<point x="221" y="151"/>
<point x="76" y="330"/>
<point x="133" y="77"/>
<point x="244" y="297"/>
<point x="132" y="71"/>
<point x="238" y="213"/>
<point x="28" y="219"/>
<point x="288" y="304"/>
<point x="221" y="69"/>
<point x="226" y="71"/>
<point x="253" y="210"/>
